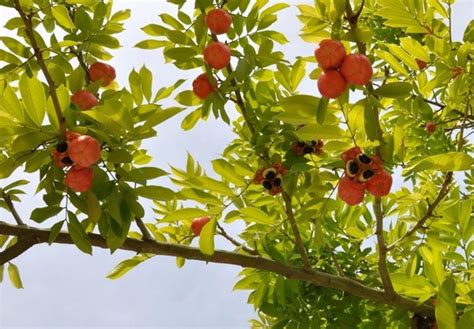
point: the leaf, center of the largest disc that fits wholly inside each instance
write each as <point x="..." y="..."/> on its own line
<point x="54" y="231"/>
<point x="450" y="161"/>
<point x="61" y="15"/>
<point x="206" y="238"/>
<point x="227" y="171"/>
<point x="39" y="215"/>
<point x="34" y="98"/>
<point x="314" y="131"/>
<point x="145" y="173"/>
<point x="394" y="89"/>
<point x="180" y="53"/>
<point x="78" y="234"/>
<point x="322" y="110"/>
<point x="191" y="119"/>
<point x="188" y="98"/>
<point x="445" y="309"/>
<point x="94" y="210"/>
<point x="123" y="268"/>
<point x="155" y="193"/>
<point x="14" y="276"/>
<point x="119" y="156"/>
<point x="304" y="105"/>
<point x="184" y="213"/>
<point x="256" y="215"/>
<point x="466" y="320"/>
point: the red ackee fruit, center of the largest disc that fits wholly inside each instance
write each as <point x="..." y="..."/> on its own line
<point x="202" y="87"/>
<point x="331" y="84"/>
<point x="351" y="191"/>
<point x="357" y="69"/>
<point x="430" y="127"/>
<point x="380" y="184"/>
<point x="330" y="54"/>
<point x="218" y="21"/>
<point x="217" y="55"/>
<point x="102" y="71"/>
<point x="421" y="64"/>
<point x="198" y="223"/>
<point x="84" y="99"/>
<point x="79" y="179"/>
<point x="84" y="151"/>
<point x="271" y="178"/>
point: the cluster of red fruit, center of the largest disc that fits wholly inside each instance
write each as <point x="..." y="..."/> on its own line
<point x="301" y="148"/>
<point x="216" y="54"/>
<point x="198" y="223"/>
<point x="78" y="153"/>
<point x="271" y="178"/>
<point x="84" y="99"/>
<point x="362" y="173"/>
<point x="340" y="69"/>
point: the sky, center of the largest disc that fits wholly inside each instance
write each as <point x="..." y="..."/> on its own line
<point x="65" y="288"/>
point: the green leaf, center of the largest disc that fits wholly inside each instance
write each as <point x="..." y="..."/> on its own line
<point x="180" y="53"/>
<point x="119" y="156"/>
<point x="370" y="123"/>
<point x="94" y="210"/>
<point x="34" y="98"/>
<point x="61" y="15"/>
<point x="39" y="215"/>
<point x="255" y="215"/>
<point x="14" y="275"/>
<point x="184" y="213"/>
<point x="145" y="173"/>
<point x="227" y="171"/>
<point x="188" y="98"/>
<point x="212" y="185"/>
<point x="191" y="119"/>
<point x="322" y="110"/>
<point x="78" y="234"/>
<point x="54" y="231"/>
<point x="392" y="61"/>
<point x="450" y="161"/>
<point x="206" y="238"/>
<point x="151" y="44"/>
<point x="466" y="320"/>
<point x="403" y="56"/>
<point x="124" y="267"/>
<point x="314" y="131"/>
<point x="445" y="309"/>
<point x="394" y="89"/>
<point x="155" y="193"/>
<point x="146" y="78"/>
<point x="304" y="105"/>
<point x="414" y="48"/>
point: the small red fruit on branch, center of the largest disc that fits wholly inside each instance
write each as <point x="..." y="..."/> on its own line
<point x="84" y="99"/>
<point x="430" y="127"/>
<point x="218" y="21"/>
<point x="331" y="84"/>
<point x="84" y="151"/>
<point x="102" y="71"/>
<point x="198" y="223"/>
<point x="357" y="69"/>
<point x="79" y="179"/>
<point x="330" y="54"/>
<point x="421" y="64"/>
<point x="217" y="55"/>
<point x="271" y="178"/>
<point x="202" y="87"/>
<point x="362" y="173"/>
<point x="301" y="148"/>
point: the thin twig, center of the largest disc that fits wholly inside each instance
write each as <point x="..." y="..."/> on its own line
<point x="236" y="243"/>
<point x="145" y="233"/>
<point x="296" y="232"/>
<point x="11" y="207"/>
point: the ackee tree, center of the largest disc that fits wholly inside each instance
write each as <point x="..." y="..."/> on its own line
<point x="357" y="204"/>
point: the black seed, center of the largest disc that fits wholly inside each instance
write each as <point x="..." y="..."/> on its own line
<point x="67" y="161"/>
<point x="267" y="185"/>
<point x="364" y="159"/>
<point x="277" y="182"/>
<point x="353" y="167"/>
<point x="308" y="150"/>
<point x="301" y="144"/>
<point x="270" y="175"/>
<point x="368" y="173"/>
<point x="314" y="143"/>
<point x="61" y="147"/>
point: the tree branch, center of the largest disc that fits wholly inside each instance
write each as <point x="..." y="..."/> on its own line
<point x="39" y="58"/>
<point x="296" y="232"/>
<point x="145" y="233"/>
<point x="236" y="243"/>
<point x="314" y="277"/>
<point x="22" y="245"/>
<point x="11" y="207"/>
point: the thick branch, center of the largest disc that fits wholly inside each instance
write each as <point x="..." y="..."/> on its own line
<point x="296" y="231"/>
<point x="11" y="207"/>
<point x="22" y="245"/>
<point x="39" y="58"/>
<point x="224" y="257"/>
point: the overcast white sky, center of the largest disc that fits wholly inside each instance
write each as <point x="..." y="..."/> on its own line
<point x="65" y="288"/>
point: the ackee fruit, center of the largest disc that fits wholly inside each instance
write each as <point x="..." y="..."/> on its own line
<point x="330" y="54"/>
<point x="350" y="191"/>
<point x="357" y="69"/>
<point x="84" y="99"/>
<point x="430" y="127"/>
<point x="331" y="84"/>
<point x="79" y="179"/>
<point x="102" y="71"/>
<point x="202" y="87"/>
<point x="217" y="55"/>
<point x="380" y="184"/>
<point x="84" y="151"/>
<point x="218" y="21"/>
<point x="198" y="223"/>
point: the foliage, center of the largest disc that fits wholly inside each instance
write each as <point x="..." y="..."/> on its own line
<point x="427" y="241"/>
